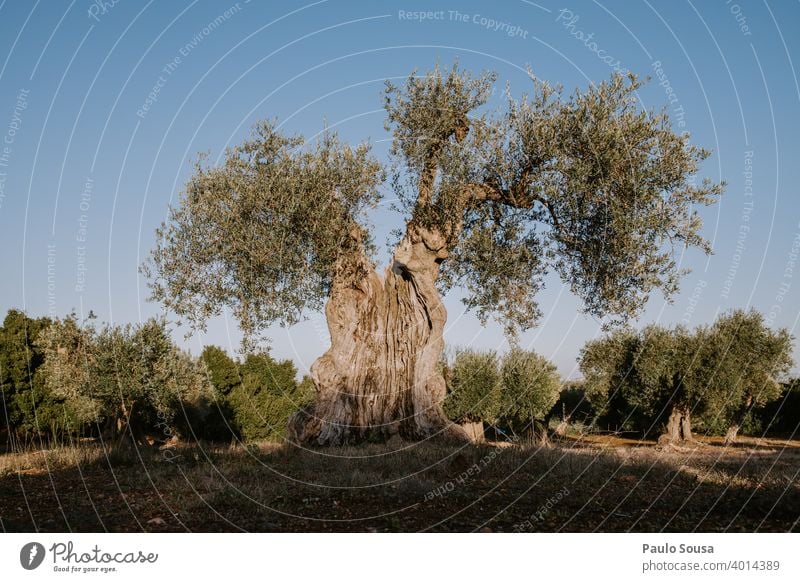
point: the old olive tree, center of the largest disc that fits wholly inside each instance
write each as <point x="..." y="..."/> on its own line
<point x="588" y="185"/>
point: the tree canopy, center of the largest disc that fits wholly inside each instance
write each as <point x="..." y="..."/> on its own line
<point x="267" y="395"/>
<point x="25" y="403"/>
<point x="748" y="362"/>
<point x="513" y="390"/>
<point x="268" y="231"/>
<point x="121" y="377"/>
<point x="588" y="185"/>
<point x="531" y="385"/>
<point x="222" y="369"/>
<point x="474" y="384"/>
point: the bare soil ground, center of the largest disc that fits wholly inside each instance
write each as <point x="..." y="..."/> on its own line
<point x="590" y="483"/>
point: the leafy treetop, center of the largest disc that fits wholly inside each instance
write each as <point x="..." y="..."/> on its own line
<point x="588" y="185"/>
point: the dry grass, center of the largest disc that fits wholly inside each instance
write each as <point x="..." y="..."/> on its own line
<point x="612" y="486"/>
<point x="35" y="461"/>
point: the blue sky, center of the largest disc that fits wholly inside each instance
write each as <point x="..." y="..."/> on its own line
<point x="104" y="106"/>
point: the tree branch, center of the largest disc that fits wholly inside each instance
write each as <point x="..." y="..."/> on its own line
<point x="515" y="197"/>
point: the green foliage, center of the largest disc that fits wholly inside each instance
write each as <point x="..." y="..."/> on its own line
<point x="64" y="376"/>
<point x="19" y="357"/>
<point x="661" y="362"/>
<point x="613" y="179"/>
<point x="605" y="364"/>
<point x="435" y="131"/>
<point x="211" y="417"/>
<point x="267" y="232"/>
<point x="121" y="377"/>
<point x="512" y="390"/>
<point x="638" y="378"/>
<point x="574" y="404"/>
<point x="719" y="373"/>
<point x="782" y="415"/>
<point x="474" y="387"/>
<point x="589" y="185"/>
<point x="531" y="386"/>
<point x="430" y="110"/>
<point x="749" y="362"/>
<point x="223" y="370"/>
<point x="267" y="396"/>
<point x="27" y="406"/>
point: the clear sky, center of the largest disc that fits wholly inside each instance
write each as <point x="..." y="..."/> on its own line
<point x="104" y="106"/>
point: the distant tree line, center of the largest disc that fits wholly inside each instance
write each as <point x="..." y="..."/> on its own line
<point x="658" y="382"/>
<point x="65" y="378"/>
<point x="718" y="378"/>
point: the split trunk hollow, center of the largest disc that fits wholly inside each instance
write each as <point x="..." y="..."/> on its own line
<point x="380" y="377"/>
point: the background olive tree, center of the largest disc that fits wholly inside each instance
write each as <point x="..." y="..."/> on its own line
<point x="266" y="396"/>
<point x="128" y="381"/>
<point x="531" y="385"/>
<point x="474" y="389"/>
<point x="515" y="393"/>
<point x="664" y="379"/>
<point x="649" y="378"/>
<point x="28" y="409"/>
<point x="750" y="362"/>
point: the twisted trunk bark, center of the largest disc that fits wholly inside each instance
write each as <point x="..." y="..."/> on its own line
<point x="380" y="377"/>
<point x="732" y="434"/>
<point x="733" y="430"/>
<point x="678" y="428"/>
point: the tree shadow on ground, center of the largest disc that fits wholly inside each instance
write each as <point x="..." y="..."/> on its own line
<point x="403" y="487"/>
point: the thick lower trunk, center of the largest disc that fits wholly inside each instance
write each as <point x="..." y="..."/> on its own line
<point x="539" y="433"/>
<point x="732" y="434"/>
<point x="380" y="378"/>
<point x="474" y="430"/>
<point x="679" y="426"/>
<point x="733" y="429"/>
<point x="128" y="430"/>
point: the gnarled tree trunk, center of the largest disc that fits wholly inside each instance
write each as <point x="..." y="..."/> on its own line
<point x="474" y="430"/>
<point x="380" y="376"/>
<point x="678" y="428"/>
<point x="539" y="433"/>
<point x="733" y="430"/>
<point x="732" y="434"/>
